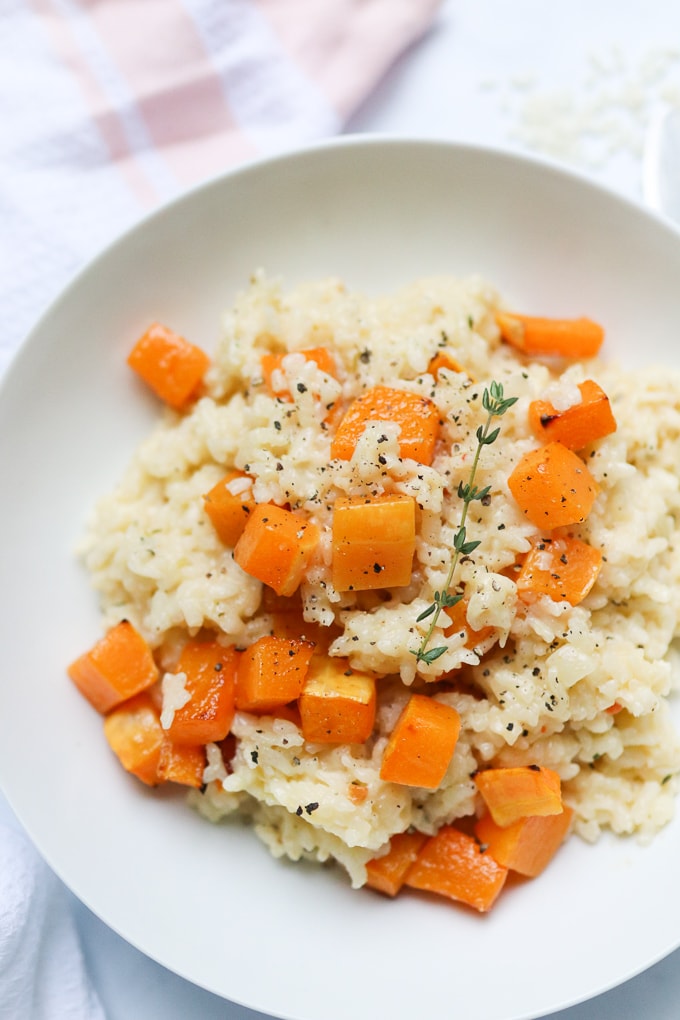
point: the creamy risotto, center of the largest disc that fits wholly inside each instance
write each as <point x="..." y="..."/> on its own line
<point x="580" y="689"/>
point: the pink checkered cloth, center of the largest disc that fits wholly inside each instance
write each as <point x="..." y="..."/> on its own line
<point x="110" y="107"/>
<point x="113" y="106"/>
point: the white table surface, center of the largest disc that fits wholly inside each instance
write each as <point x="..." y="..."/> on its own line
<point x="577" y="82"/>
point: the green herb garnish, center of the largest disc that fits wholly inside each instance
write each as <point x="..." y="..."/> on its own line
<point x="495" y="404"/>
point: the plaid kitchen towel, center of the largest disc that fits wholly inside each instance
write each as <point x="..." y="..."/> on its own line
<point x="110" y="107"/>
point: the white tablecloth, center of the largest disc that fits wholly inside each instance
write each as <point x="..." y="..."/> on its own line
<point x="578" y="82"/>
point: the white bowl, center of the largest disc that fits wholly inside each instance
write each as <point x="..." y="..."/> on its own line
<point x="208" y="901"/>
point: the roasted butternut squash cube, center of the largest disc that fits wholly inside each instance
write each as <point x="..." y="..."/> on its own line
<point x="277" y="547"/>
<point x="513" y="793"/>
<point x="135" y="735"/>
<point x="578" y="425"/>
<point x="564" y="569"/>
<point x="210" y="672"/>
<point x="337" y="704"/>
<point x="417" y="416"/>
<point x="553" y="487"/>
<point x="387" y="874"/>
<point x="538" y="335"/>
<point x="116" y="668"/>
<point x="374" y="539"/>
<point x="229" y="505"/>
<point x="181" y="764"/>
<point x="421" y="745"/>
<point x="528" y="845"/>
<point x="272" y="673"/>
<point x="452" y="864"/>
<point x="171" y="366"/>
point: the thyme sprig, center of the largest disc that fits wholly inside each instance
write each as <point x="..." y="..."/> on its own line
<point x="495" y="404"/>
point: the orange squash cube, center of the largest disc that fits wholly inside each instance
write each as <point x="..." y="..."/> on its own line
<point x="528" y="845"/>
<point x="564" y="569"/>
<point x="418" y="417"/>
<point x="116" y="668"/>
<point x="272" y="673"/>
<point x="452" y="864"/>
<point x="421" y="745"/>
<point x="171" y="366"/>
<point x="578" y="425"/>
<point x="277" y="546"/>
<point x="553" y="487"/>
<point x="229" y="504"/>
<point x="514" y="793"/>
<point x="387" y="874"/>
<point x="135" y="735"/>
<point x="537" y="335"/>
<point x="210" y="671"/>
<point x="337" y="704"/>
<point x="374" y="539"/>
<point x="181" y="764"/>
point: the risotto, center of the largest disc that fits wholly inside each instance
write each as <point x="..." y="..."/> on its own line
<point x="577" y="686"/>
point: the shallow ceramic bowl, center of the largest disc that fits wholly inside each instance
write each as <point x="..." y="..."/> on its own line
<point x="208" y="901"/>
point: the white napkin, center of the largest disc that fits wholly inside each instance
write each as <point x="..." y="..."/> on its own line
<point x="42" y="971"/>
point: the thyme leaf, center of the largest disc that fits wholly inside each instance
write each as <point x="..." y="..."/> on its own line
<point x="432" y="654"/>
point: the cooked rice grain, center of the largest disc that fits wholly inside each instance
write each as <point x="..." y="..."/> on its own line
<point x="538" y="690"/>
